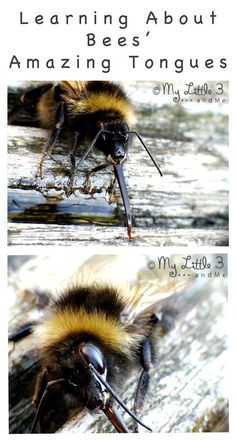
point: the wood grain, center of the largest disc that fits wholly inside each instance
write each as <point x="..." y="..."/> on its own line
<point x="66" y="235"/>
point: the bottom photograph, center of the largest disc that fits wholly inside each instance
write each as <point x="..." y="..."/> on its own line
<point x="127" y="343"/>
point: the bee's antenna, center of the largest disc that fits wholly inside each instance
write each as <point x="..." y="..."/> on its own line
<point x="116" y="397"/>
<point x="90" y="147"/>
<point x="147" y="150"/>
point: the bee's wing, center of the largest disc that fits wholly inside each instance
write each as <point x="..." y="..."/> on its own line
<point x="117" y="270"/>
<point x="72" y="89"/>
<point x="147" y="297"/>
<point x="143" y="289"/>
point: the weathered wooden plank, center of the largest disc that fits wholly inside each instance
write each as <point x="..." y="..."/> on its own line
<point x="193" y="192"/>
<point x="86" y="235"/>
<point x="176" y="200"/>
<point x="188" y="390"/>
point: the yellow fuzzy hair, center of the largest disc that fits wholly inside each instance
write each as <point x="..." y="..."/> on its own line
<point x="102" y="102"/>
<point x="68" y="322"/>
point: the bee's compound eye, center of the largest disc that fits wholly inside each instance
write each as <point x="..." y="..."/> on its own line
<point x="93" y="356"/>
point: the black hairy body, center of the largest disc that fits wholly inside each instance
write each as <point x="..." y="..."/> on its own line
<point x="86" y="104"/>
<point x="81" y="108"/>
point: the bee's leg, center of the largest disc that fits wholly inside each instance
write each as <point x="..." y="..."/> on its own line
<point x="73" y="162"/>
<point x="40" y="386"/>
<point x="52" y="140"/>
<point x="146" y="358"/>
<point x="74" y="149"/>
<point x="43" y="387"/>
<point x="110" y="191"/>
<point x="87" y="184"/>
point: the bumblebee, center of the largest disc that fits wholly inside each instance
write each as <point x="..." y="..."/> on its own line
<point x="97" y="111"/>
<point x="93" y="335"/>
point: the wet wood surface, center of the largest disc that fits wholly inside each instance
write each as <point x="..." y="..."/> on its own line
<point x="189" y="146"/>
<point x="68" y="235"/>
<point x="188" y="388"/>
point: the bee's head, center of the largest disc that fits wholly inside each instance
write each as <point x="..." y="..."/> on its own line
<point x="83" y="374"/>
<point x="84" y="382"/>
<point x="113" y="141"/>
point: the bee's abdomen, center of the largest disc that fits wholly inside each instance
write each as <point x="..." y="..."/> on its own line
<point x="47" y="108"/>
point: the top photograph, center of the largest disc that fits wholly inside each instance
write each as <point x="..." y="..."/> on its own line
<point x="139" y="163"/>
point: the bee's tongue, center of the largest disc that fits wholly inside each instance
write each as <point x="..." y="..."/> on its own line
<point x="118" y="169"/>
<point x="116" y="419"/>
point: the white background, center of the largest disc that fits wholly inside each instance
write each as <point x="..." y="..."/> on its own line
<point x="59" y="41"/>
<point x="171" y="41"/>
